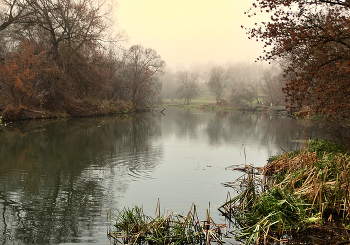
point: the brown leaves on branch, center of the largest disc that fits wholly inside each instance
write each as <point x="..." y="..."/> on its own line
<point x="18" y="74"/>
<point x="314" y="38"/>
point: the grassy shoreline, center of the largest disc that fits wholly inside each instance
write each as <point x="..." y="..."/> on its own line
<point x="89" y="108"/>
<point x="301" y="192"/>
<point x="209" y="105"/>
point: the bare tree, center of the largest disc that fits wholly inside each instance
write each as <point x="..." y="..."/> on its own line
<point x="244" y="94"/>
<point x="12" y="12"/>
<point x="245" y="80"/>
<point x="218" y="82"/>
<point x="272" y="83"/>
<point x="250" y="93"/>
<point x="188" y="86"/>
<point x="139" y="75"/>
<point x="69" y="25"/>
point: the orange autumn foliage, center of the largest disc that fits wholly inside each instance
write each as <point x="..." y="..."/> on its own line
<point x="18" y="76"/>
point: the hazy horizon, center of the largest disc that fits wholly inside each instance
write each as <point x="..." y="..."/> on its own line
<point x="189" y="33"/>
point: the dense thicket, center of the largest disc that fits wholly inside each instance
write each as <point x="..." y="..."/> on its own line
<point x="58" y="56"/>
<point x="314" y="37"/>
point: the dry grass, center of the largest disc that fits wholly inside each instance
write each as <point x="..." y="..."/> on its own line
<point x="134" y="227"/>
<point x="292" y="193"/>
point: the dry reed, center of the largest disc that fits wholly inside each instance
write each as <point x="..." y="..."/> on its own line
<point x="294" y="191"/>
<point x="134" y="227"/>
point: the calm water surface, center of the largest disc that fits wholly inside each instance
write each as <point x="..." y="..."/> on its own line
<point x="58" y="179"/>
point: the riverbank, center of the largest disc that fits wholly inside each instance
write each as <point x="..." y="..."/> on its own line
<point x="303" y="194"/>
<point x="225" y="106"/>
<point x="82" y="109"/>
<point x="104" y="108"/>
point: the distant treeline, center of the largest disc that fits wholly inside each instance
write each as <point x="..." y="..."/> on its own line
<point x="237" y="85"/>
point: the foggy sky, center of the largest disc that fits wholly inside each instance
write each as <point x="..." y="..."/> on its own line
<point x="186" y="32"/>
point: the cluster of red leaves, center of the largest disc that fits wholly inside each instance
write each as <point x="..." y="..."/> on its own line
<point x="313" y="38"/>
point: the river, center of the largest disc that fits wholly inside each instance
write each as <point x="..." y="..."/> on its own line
<point x="60" y="178"/>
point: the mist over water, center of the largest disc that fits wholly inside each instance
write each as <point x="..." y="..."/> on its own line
<point x="58" y="179"/>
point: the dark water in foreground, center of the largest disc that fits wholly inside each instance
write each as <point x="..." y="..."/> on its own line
<point x="58" y="179"/>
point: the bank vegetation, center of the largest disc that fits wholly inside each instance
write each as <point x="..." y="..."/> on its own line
<point x="298" y="197"/>
<point x="133" y="226"/>
<point x="63" y="58"/>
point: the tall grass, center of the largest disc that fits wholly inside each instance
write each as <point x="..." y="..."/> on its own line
<point x="292" y="192"/>
<point x="134" y="227"/>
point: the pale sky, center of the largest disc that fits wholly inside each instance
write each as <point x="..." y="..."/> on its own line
<point x="185" y="32"/>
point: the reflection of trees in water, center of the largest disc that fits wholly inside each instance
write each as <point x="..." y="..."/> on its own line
<point x="242" y="127"/>
<point x="56" y="213"/>
<point x="187" y="123"/>
<point x="137" y="149"/>
<point x="238" y="126"/>
<point x="215" y="129"/>
<point x="265" y="129"/>
<point x="49" y="191"/>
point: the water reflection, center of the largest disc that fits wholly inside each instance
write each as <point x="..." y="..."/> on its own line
<point x="242" y="127"/>
<point x="59" y="178"/>
<point x="187" y="123"/>
<point x="52" y="174"/>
